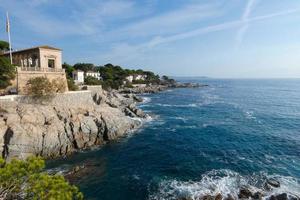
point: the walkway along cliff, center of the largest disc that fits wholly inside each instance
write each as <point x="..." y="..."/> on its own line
<point x="67" y="123"/>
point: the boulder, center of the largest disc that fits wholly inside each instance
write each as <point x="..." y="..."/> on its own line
<point x="245" y="192"/>
<point x="229" y="197"/>
<point x="273" y="182"/>
<point x="218" y="197"/>
<point x="282" y="196"/>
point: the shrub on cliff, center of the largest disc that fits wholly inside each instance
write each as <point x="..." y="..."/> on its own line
<point x="40" y="87"/>
<point x="43" y="87"/>
<point x="7" y="72"/>
<point x="59" y="85"/>
<point x="71" y="85"/>
<point x="26" y="180"/>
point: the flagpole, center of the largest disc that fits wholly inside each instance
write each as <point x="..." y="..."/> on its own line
<point x="8" y="32"/>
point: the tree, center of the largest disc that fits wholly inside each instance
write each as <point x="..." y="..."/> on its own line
<point x="7" y="72"/>
<point x="71" y="85"/>
<point x="4" y="46"/>
<point x="26" y="180"/>
<point x="84" y="67"/>
<point x="69" y="69"/>
<point x="89" y="80"/>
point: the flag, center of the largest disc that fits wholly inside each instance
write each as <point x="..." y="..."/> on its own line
<point x="7" y="24"/>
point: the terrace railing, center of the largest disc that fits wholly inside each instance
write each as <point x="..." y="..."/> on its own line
<point x="38" y="69"/>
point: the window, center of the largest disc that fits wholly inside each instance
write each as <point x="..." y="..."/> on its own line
<point x="51" y="63"/>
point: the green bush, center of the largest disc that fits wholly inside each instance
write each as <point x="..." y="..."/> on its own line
<point x="59" y="85"/>
<point x="89" y="80"/>
<point x="43" y="87"/>
<point x="71" y="85"/>
<point x="26" y="180"/>
<point x="40" y="87"/>
<point x="7" y="72"/>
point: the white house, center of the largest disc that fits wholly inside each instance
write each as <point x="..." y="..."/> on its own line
<point x="140" y="77"/>
<point x="96" y="75"/>
<point x="136" y="77"/>
<point x="78" y="76"/>
<point x="129" y="78"/>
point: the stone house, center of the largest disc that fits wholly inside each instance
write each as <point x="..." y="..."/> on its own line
<point x="35" y="62"/>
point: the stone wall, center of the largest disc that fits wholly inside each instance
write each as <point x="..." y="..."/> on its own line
<point x="24" y="76"/>
<point x="78" y="99"/>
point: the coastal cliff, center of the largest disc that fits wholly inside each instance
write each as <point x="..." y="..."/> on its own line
<point x="66" y="123"/>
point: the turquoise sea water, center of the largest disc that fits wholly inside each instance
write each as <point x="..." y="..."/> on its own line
<point x="204" y="140"/>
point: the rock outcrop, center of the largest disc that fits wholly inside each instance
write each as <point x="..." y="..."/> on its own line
<point x="143" y="88"/>
<point x="67" y="123"/>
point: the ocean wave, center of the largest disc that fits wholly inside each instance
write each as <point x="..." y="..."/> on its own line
<point x="179" y="106"/>
<point x="249" y="115"/>
<point x="146" y="99"/>
<point x="223" y="182"/>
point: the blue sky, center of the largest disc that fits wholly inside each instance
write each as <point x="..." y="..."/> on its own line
<point x="215" y="38"/>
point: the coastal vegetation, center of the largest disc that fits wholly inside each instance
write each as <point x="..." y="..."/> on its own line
<point x="25" y="179"/>
<point x="71" y="84"/>
<point x="7" y="72"/>
<point x="43" y="87"/>
<point x="113" y="76"/>
<point x="4" y="46"/>
<point x="89" y="80"/>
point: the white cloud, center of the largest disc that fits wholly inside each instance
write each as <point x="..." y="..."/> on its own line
<point x="124" y="51"/>
<point x="172" y="21"/>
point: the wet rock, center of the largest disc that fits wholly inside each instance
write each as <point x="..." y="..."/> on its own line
<point x="219" y="197"/>
<point x="229" y="197"/>
<point x="273" y="182"/>
<point x="129" y="113"/>
<point x="257" y="195"/>
<point x="76" y="169"/>
<point x="293" y="197"/>
<point x="208" y="197"/>
<point x="184" y="196"/>
<point x="282" y="196"/>
<point x="245" y="192"/>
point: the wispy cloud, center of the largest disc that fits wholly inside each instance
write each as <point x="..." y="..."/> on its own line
<point x="241" y="32"/>
<point x="119" y="52"/>
<point x="173" y="21"/>
<point x="218" y="27"/>
<point x="81" y="18"/>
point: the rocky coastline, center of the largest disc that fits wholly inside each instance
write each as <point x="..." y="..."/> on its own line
<point x="67" y="123"/>
<point x="158" y="88"/>
<point x="73" y="121"/>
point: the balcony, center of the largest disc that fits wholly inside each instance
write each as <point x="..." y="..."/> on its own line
<point x="38" y="69"/>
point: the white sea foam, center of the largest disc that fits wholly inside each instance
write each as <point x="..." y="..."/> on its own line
<point x="249" y="115"/>
<point x="179" y="106"/>
<point x="146" y="99"/>
<point x="224" y="182"/>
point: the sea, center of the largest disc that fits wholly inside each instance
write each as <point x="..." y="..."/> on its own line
<point x="206" y="140"/>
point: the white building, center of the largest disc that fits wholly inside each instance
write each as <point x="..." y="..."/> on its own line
<point x="136" y="77"/>
<point x="129" y="78"/>
<point x="140" y="77"/>
<point x="78" y="76"/>
<point x="96" y="75"/>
